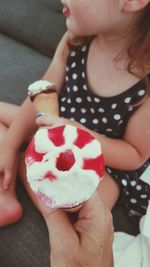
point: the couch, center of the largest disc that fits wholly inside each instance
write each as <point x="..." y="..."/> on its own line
<point x="29" y="33"/>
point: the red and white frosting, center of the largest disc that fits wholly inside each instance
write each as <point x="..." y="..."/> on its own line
<point x="64" y="165"/>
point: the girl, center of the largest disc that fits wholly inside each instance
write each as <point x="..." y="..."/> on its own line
<point x="101" y="69"/>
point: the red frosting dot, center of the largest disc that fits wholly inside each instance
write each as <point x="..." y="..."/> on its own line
<point x="32" y="154"/>
<point x="65" y="160"/>
<point x="83" y="138"/>
<point x="50" y="176"/>
<point x="96" y="164"/>
<point x="56" y="135"/>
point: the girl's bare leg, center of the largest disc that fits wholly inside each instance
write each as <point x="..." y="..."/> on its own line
<point x="22" y="173"/>
<point x="109" y="191"/>
<point x="10" y="209"/>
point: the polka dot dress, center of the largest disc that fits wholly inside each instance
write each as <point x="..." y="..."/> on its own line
<point x="109" y="116"/>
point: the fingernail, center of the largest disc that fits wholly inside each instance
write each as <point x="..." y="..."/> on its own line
<point x="41" y="114"/>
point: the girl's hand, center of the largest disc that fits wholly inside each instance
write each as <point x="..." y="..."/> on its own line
<point x="8" y="164"/>
<point x="54" y="121"/>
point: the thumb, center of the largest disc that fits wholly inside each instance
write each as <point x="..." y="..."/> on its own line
<point x="61" y="231"/>
<point x="59" y="226"/>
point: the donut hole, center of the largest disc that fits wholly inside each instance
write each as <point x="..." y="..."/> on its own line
<point x="65" y="160"/>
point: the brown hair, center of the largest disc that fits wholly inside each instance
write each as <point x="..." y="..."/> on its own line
<point x="138" y="50"/>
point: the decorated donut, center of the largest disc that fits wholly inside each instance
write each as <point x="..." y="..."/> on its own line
<point x="64" y="165"/>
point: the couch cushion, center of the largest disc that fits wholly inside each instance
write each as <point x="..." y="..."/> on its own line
<point x="25" y="243"/>
<point x="20" y="65"/>
<point x="38" y="23"/>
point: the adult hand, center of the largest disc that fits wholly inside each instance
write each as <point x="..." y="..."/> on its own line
<point x="85" y="243"/>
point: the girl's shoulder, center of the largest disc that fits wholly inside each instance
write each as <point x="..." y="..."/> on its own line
<point x="78" y="52"/>
<point x="78" y="44"/>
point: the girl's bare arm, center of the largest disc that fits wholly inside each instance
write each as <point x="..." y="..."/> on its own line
<point x="24" y="123"/>
<point x="128" y="153"/>
<point x="131" y="152"/>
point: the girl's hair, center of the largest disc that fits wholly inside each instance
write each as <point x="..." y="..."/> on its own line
<point x="138" y="51"/>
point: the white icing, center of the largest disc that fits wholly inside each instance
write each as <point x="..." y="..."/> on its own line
<point x="38" y="86"/>
<point x="73" y="190"/>
<point x="71" y="187"/>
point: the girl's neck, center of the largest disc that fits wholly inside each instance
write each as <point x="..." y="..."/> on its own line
<point x="108" y="57"/>
<point x="118" y="40"/>
<point x="111" y="45"/>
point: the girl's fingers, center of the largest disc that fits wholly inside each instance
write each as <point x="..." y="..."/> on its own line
<point x="46" y="120"/>
<point x="7" y="179"/>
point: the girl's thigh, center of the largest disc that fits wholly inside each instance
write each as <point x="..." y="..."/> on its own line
<point x="109" y="191"/>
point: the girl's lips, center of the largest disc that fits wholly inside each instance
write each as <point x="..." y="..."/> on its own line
<point x="66" y="11"/>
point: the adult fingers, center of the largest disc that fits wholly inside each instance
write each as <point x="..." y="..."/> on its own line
<point x="94" y="218"/>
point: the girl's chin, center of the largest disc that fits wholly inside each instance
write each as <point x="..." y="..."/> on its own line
<point x="76" y="31"/>
<point x="72" y="28"/>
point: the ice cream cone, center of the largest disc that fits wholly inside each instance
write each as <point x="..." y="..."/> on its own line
<point x="46" y="103"/>
<point x="44" y="97"/>
<point x="73" y="209"/>
<point x="64" y="166"/>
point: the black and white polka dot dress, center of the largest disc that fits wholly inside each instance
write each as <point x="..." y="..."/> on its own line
<point x="109" y="116"/>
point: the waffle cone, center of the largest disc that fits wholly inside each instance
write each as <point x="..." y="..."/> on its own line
<point x="46" y="103"/>
<point x="73" y="209"/>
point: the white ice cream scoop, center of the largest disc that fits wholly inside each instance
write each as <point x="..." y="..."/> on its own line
<point x="64" y="165"/>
